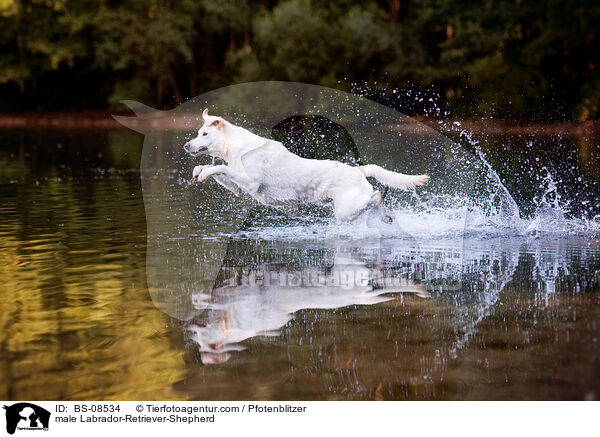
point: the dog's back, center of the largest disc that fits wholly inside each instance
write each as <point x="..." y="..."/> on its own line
<point x="286" y="178"/>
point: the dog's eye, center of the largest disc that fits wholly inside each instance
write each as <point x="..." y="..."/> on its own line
<point x="205" y="134"/>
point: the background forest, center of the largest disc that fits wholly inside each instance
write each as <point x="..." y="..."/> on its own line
<point x="518" y="59"/>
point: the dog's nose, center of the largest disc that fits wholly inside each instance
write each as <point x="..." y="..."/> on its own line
<point x="186" y="147"/>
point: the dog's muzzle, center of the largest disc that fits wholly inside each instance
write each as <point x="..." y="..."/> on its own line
<point x="200" y="151"/>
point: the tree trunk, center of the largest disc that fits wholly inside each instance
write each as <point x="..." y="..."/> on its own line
<point x="174" y="85"/>
<point x="194" y="78"/>
<point x="395" y="7"/>
<point x="247" y="42"/>
<point x="159" y="91"/>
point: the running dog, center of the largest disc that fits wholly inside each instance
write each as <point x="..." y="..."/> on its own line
<point x="274" y="176"/>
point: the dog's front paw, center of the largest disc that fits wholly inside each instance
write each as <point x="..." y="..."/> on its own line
<point x="196" y="175"/>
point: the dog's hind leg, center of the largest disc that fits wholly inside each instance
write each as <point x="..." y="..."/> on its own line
<point x="350" y="205"/>
<point x="377" y="202"/>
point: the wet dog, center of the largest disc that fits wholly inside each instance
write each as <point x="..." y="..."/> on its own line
<point x="274" y="176"/>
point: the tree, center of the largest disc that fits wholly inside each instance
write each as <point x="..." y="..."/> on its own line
<point x="144" y="42"/>
<point x="306" y="42"/>
<point x="502" y="58"/>
<point x="37" y="37"/>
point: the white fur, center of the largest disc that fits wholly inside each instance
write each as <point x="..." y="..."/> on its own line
<point x="274" y="176"/>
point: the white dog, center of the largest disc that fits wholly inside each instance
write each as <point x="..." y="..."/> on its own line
<point x="274" y="176"/>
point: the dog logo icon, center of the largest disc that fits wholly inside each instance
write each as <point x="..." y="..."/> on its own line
<point x="26" y="416"/>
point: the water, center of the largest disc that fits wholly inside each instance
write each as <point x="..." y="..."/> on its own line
<point x="502" y="305"/>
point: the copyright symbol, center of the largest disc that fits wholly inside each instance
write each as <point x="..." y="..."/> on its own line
<point x="139" y="408"/>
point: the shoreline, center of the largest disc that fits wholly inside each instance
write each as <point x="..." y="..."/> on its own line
<point x="101" y="120"/>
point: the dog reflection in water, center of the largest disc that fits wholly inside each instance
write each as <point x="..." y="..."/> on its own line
<point x="259" y="306"/>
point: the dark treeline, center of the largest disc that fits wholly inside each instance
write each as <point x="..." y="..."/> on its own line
<point x="508" y="59"/>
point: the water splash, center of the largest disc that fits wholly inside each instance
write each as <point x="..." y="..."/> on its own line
<point x="550" y="210"/>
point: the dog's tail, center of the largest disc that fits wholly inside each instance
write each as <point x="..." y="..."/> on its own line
<point x="392" y="179"/>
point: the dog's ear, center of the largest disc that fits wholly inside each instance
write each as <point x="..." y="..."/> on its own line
<point x="205" y="114"/>
<point x="218" y="124"/>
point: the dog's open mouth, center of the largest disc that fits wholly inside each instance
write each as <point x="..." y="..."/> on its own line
<point x="200" y="151"/>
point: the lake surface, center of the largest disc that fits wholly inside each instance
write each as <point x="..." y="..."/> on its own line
<point x="288" y="305"/>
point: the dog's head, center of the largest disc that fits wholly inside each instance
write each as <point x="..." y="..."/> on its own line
<point x="210" y="139"/>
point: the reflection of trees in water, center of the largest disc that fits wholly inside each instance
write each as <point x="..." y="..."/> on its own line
<point x="47" y="153"/>
<point x="72" y="266"/>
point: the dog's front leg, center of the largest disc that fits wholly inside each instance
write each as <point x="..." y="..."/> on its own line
<point x="228" y="183"/>
<point x="221" y="179"/>
<point x="237" y="178"/>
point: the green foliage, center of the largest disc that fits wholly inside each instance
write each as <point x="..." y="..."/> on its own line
<point x="36" y="36"/>
<point x="499" y="58"/>
<point x="520" y="56"/>
<point x="302" y="41"/>
<point x="144" y="42"/>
